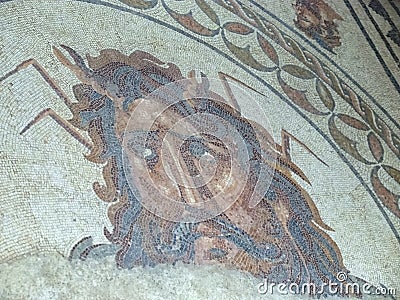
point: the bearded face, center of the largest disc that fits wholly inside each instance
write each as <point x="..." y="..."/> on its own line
<point x="316" y="19"/>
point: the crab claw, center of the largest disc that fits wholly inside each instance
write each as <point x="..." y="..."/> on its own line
<point x="79" y="68"/>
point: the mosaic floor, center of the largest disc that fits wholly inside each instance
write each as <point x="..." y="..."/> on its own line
<point x="196" y="139"/>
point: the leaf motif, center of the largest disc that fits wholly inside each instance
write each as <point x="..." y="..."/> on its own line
<point x="375" y="146"/>
<point x="396" y="144"/>
<point x="390" y="138"/>
<point x="325" y="95"/>
<point x="353" y="122"/>
<point x="298" y="97"/>
<point x="394" y="173"/>
<point x="345" y="143"/>
<point x="298" y="72"/>
<point x="368" y="116"/>
<point x="335" y="82"/>
<point x="244" y="55"/>
<point x="208" y="11"/>
<point x="141" y="4"/>
<point x="252" y="18"/>
<point x="389" y="199"/>
<point x="187" y="21"/>
<point x="238" y="28"/>
<point x="292" y="47"/>
<point x="268" y="49"/>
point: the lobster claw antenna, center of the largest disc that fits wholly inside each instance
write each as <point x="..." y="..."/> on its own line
<point x="79" y="68"/>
